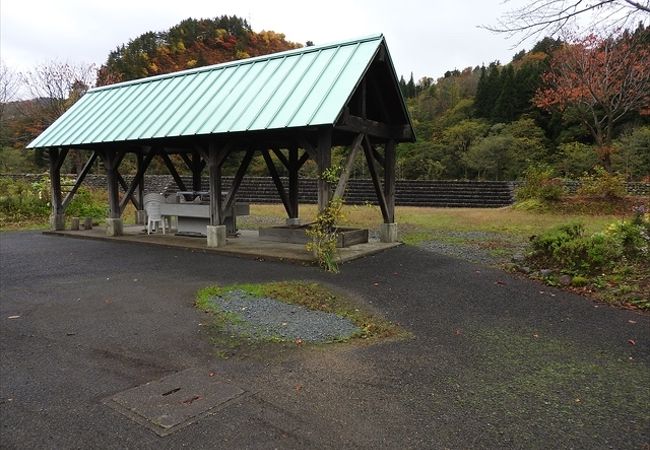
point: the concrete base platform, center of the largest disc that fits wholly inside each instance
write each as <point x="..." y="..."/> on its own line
<point x="246" y="245"/>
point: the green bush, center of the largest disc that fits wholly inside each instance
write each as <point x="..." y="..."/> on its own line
<point x="21" y="201"/>
<point x="87" y="203"/>
<point x="540" y="184"/>
<point x="567" y="248"/>
<point x="602" y="184"/>
<point x="31" y="202"/>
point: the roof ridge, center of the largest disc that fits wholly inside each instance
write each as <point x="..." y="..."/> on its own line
<point x="253" y="59"/>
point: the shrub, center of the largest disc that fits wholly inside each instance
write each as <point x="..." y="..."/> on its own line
<point x="87" y="203"/>
<point x="633" y="236"/>
<point x="540" y="184"/>
<point x="602" y="184"/>
<point x="568" y="248"/>
<point x="21" y="201"/>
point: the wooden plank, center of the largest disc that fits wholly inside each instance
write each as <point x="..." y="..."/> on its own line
<point x="278" y="183"/>
<point x="236" y="182"/>
<point x="375" y="180"/>
<point x="80" y="178"/>
<point x="347" y="168"/>
<point x="324" y="162"/>
<point x="389" y="179"/>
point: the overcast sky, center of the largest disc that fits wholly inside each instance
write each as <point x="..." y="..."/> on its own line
<point x="426" y="37"/>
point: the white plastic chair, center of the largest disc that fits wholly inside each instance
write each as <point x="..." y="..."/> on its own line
<point x="152" y="207"/>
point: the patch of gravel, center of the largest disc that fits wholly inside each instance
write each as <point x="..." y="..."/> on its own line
<point x="471" y="248"/>
<point x="267" y="318"/>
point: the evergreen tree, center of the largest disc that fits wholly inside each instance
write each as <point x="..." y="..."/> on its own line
<point x="504" y="108"/>
<point x="410" y="87"/>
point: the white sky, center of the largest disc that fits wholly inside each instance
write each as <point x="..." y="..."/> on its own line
<point x="424" y="37"/>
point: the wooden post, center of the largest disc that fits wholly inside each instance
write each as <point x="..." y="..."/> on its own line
<point x="140" y="189"/>
<point x="110" y="159"/>
<point x="293" y="185"/>
<point x="197" y="168"/>
<point x="389" y="179"/>
<point x="216" y="231"/>
<point x="324" y="162"/>
<point x="114" y="221"/>
<point x="215" y="186"/>
<point x="57" y="219"/>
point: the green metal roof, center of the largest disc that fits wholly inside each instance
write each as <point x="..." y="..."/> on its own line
<point x="296" y="88"/>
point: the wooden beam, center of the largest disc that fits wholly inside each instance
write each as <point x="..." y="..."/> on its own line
<point x="375" y="180"/>
<point x="61" y="158"/>
<point x="283" y="159"/>
<point x="389" y="179"/>
<point x="381" y="130"/>
<point x="303" y="159"/>
<point x="138" y="178"/>
<point x="236" y="182"/>
<point x="278" y="183"/>
<point x="324" y="162"/>
<point x="80" y="178"/>
<point x="307" y="146"/>
<point x="125" y="188"/>
<point x="347" y="168"/>
<point x="186" y="159"/>
<point x="172" y="170"/>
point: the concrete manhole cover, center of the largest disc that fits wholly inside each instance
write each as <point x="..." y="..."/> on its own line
<point x="172" y="402"/>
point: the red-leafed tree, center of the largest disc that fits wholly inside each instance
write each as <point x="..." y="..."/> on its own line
<point x="599" y="82"/>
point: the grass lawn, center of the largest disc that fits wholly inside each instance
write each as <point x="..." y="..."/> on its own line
<point x="418" y="224"/>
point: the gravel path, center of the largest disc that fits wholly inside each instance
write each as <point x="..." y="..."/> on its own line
<point x="268" y="318"/>
<point x="480" y="247"/>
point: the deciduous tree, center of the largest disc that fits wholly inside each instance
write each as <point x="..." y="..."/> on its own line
<point x="551" y="17"/>
<point x="598" y="82"/>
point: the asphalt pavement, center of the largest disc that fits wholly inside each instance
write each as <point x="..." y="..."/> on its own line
<point x="495" y="361"/>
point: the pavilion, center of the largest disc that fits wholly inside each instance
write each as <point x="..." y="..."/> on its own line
<point x="296" y="105"/>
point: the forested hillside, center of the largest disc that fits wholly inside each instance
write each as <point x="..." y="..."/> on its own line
<point x="492" y="122"/>
<point x="569" y="105"/>
<point x="191" y="43"/>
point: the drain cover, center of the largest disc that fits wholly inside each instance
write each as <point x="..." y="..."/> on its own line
<point x="174" y="401"/>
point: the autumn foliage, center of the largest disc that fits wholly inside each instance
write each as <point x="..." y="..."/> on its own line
<point x="598" y="82"/>
<point x="191" y="43"/>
